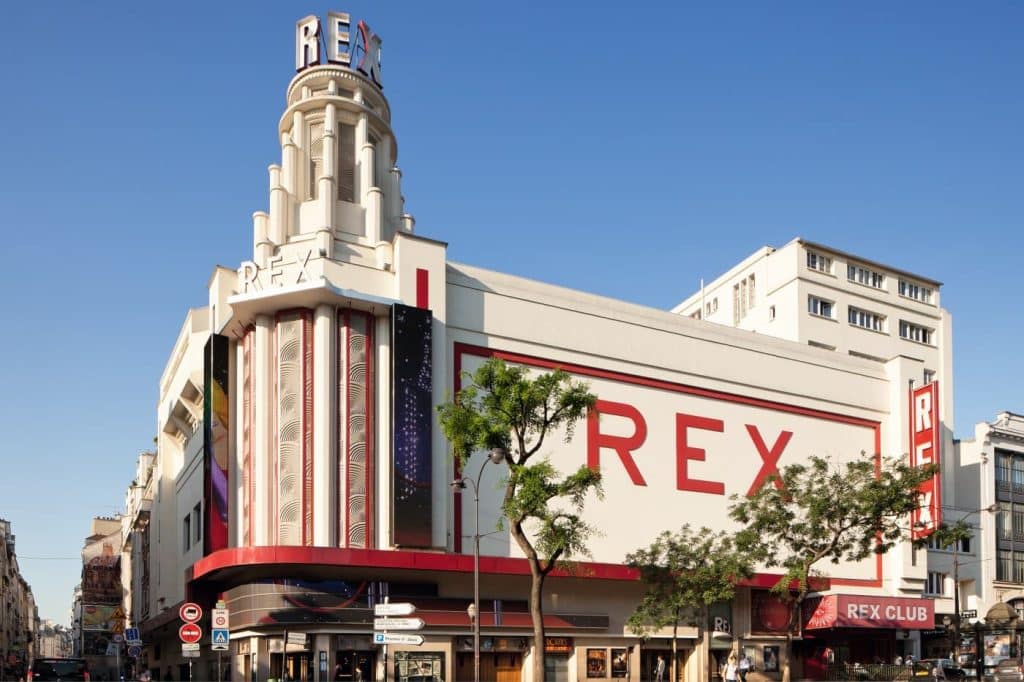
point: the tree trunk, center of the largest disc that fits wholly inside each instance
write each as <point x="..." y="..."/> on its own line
<point x="537" y="614"/>
<point x="788" y="657"/>
<point x="675" y="629"/>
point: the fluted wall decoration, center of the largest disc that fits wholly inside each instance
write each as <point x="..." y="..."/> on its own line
<point x="355" y="427"/>
<point x="290" y="431"/>
<point x="247" y="406"/>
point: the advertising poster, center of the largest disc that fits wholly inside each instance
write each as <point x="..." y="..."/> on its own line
<point x="98" y="616"/>
<point x="411" y="393"/>
<point x="216" y="422"/>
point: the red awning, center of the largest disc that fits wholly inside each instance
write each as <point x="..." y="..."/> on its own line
<point x="858" y="611"/>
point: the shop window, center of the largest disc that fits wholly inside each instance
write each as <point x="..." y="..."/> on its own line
<point x="936" y="583"/>
<point x="416" y="666"/>
<point x="597" y="663"/>
<point x="556" y="668"/>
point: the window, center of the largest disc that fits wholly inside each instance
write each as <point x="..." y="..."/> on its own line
<point x="865" y="276"/>
<point x="1018" y="522"/>
<point x="695" y="314"/>
<point x="750" y="292"/>
<point x="1002" y="471"/>
<point x="1003" y="524"/>
<point x="816" y="261"/>
<point x="1003" y="565"/>
<point x="820" y="307"/>
<point x="866" y="319"/>
<point x="915" y="291"/>
<point x="735" y="304"/>
<point x="743" y="298"/>
<point x="915" y="332"/>
<point x="929" y="376"/>
<point x="771" y="313"/>
<point x="187" y="531"/>
<point x="936" y="583"/>
<point x="197" y="523"/>
<point x="1018" y="567"/>
<point x="346" y="162"/>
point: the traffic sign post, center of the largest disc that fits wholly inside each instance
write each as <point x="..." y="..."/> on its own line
<point x="397" y="638"/>
<point x="398" y="623"/>
<point x="190" y="633"/>
<point x="394" y="609"/>
<point x="190" y="612"/>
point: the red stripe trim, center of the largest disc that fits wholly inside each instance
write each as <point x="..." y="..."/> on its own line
<point x="347" y="426"/>
<point x="422" y="288"/>
<point x="296" y="555"/>
<point x="370" y="440"/>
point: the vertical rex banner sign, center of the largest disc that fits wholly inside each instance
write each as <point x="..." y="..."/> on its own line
<point x="924" y="449"/>
<point x="216" y="423"/>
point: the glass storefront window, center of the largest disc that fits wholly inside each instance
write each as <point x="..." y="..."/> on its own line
<point x="416" y="666"/>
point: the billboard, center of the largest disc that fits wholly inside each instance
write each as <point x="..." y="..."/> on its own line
<point x="674" y="453"/>
<point x="101" y="578"/>
<point x="412" y="418"/>
<point x="216" y="422"/>
<point x="99" y="616"/>
<point x="924" y="449"/>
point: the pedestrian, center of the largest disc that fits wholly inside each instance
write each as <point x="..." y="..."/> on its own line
<point x="744" y="667"/>
<point x="732" y="668"/>
<point x="659" y="669"/>
<point x="899" y="660"/>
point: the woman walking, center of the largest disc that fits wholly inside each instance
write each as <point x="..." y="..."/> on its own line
<point x="731" y="668"/>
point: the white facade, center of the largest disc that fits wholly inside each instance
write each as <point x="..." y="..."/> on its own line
<point x="691" y="413"/>
<point x="992" y="473"/>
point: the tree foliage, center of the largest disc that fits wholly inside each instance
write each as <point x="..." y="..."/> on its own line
<point x="825" y="511"/>
<point x="503" y="406"/>
<point x="683" y="574"/>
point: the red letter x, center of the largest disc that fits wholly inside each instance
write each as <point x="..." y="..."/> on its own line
<point x="769" y="458"/>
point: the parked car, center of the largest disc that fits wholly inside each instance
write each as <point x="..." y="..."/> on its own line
<point x="59" y="669"/>
<point x="1009" y="670"/>
<point x="950" y="670"/>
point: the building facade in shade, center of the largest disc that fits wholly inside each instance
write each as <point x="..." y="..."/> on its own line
<point x="301" y="477"/>
<point x="99" y="598"/>
<point x="19" y="618"/>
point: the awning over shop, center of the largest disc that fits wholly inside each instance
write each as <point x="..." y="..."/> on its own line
<point x="858" y="611"/>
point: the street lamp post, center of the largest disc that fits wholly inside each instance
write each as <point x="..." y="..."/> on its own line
<point x="496" y="456"/>
<point x="956" y="582"/>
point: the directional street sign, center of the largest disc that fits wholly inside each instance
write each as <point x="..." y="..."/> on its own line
<point x="298" y="638"/>
<point x="131" y="635"/>
<point x="398" y="623"/>
<point x="190" y="612"/>
<point x="220" y="639"/>
<point x="394" y="609"/>
<point x="397" y="638"/>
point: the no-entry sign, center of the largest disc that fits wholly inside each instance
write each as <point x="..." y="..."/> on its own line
<point x="190" y="633"/>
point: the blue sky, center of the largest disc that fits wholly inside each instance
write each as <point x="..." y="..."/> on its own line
<point x="626" y="150"/>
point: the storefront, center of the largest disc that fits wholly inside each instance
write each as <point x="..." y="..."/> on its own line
<point x="849" y="630"/>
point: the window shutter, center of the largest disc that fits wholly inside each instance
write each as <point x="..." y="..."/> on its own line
<point x="346" y="162"/>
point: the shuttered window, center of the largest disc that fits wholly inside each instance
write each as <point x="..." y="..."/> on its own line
<point x="346" y="162"/>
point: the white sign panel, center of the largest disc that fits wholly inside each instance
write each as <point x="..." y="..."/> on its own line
<point x="394" y="609"/>
<point x="218" y="619"/>
<point x="397" y="638"/>
<point x="673" y="453"/>
<point x="398" y="623"/>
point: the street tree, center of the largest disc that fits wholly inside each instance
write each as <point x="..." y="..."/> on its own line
<point x="820" y="510"/>
<point x="683" y="574"/>
<point x="504" y="406"/>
